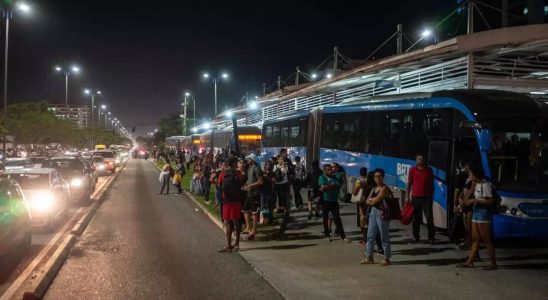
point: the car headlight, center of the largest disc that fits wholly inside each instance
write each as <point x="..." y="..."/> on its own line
<point x="41" y="201"/>
<point x="76" y="182"/>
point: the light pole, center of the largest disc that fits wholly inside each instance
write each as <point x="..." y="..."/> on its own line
<point x="215" y="80"/>
<point x="92" y="94"/>
<point x="7" y="13"/>
<point x="106" y="119"/>
<point x="67" y="71"/>
<point x="99" y="108"/>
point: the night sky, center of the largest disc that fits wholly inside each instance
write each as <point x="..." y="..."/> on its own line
<point x="144" y="55"/>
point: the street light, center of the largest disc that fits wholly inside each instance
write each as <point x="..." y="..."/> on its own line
<point x="7" y="13"/>
<point x="228" y="114"/>
<point x="253" y="105"/>
<point x="92" y="94"/>
<point x="424" y="34"/>
<point x="215" y="80"/>
<point x="106" y="117"/>
<point x="102" y="107"/>
<point x="206" y="126"/>
<point x="67" y="71"/>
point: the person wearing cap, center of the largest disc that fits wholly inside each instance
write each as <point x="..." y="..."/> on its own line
<point x="251" y="205"/>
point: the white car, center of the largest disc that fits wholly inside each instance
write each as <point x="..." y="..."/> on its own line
<point x="17" y="163"/>
<point x="46" y="193"/>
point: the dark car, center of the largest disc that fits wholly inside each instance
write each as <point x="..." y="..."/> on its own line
<point x="76" y="173"/>
<point x="15" y="220"/>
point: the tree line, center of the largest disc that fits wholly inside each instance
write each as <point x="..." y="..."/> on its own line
<point x="34" y="123"/>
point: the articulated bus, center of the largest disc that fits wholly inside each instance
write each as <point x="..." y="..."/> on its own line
<point x="506" y="133"/>
<point x="249" y="139"/>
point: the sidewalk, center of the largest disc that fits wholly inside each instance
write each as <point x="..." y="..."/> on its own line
<point x="303" y="265"/>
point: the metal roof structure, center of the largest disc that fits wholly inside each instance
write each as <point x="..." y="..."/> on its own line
<point x="511" y="59"/>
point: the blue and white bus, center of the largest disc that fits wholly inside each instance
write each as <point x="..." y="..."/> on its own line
<point x="507" y="133"/>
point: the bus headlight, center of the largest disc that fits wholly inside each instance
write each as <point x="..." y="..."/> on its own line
<point x="41" y="201"/>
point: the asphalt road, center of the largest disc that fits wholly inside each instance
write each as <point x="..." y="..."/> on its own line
<point x="143" y="245"/>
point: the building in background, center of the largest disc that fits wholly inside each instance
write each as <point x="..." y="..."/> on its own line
<point x="78" y="114"/>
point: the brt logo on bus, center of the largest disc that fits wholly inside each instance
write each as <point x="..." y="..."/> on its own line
<point x="402" y="171"/>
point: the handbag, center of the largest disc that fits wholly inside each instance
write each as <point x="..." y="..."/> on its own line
<point x="390" y="209"/>
<point x="407" y="213"/>
<point x="176" y="179"/>
<point x="358" y="197"/>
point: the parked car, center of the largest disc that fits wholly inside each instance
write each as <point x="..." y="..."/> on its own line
<point x="17" y="163"/>
<point x="75" y="173"/>
<point x="46" y="193"/>
<point x="108" y="156"/>
<point x="36" y="161"/>
<point x="15" y="228"/>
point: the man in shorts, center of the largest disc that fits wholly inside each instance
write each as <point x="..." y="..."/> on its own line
<point x="253" y="196"/>
<point x="231" y="182"/>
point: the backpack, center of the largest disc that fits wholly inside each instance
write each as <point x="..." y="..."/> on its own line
<point x="231" y="187"/>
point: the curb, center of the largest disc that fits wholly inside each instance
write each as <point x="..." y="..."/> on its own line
<point x="41" y="282"/>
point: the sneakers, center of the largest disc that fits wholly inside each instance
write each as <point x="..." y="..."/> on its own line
<point x="346" y="240"/>
<point x="328" y="239"/>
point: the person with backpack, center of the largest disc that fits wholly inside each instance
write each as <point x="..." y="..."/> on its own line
<point x="165" y="176"/>
<point x="231" y="182"/>
<point x="377" y="224"/>
<point x="281" y="171"/>
<point x="482" y="204"/>
<point x="268" y="194"/>
<point x="329" y="186"/>
<point x="298" y="180"/>
<point x="251" y="205"/>
<point x="314" y="193"/>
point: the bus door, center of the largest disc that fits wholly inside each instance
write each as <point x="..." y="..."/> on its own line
<point x="440" y="157"/>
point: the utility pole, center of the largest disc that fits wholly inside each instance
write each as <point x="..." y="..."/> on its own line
<point x="470" y="27"/>
<point x="399" y="38"/>
<point x="184" y="114"/>
<point x="297" y="71"/>
<point x="335" y="59"/>
<point x="279" y="82"/>
<point x="264" y="89"/>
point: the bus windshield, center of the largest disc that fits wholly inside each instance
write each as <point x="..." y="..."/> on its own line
<point x="519" y="158"/>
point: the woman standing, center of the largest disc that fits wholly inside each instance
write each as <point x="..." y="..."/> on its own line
<point x="268" y="196"/>
<point x="164" y="178"/>
<point x="282" y="187"/>
<point x="376" y="223"/>
<point x="481" y="219"/>
<point x="180" y="171"/>
<point x="196" y="181"/>
<point x="314" y="193"/>
<point x="365" y="183"/>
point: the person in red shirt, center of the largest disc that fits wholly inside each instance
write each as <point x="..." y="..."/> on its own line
<point x="420" y="188"/>
<point x="231" y="182"/>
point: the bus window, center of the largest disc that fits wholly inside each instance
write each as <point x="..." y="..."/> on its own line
<point x="275" y="135"/>
<point x="436" y="122"/>
<point x="406" y="137"/>
<point x="284" y="134"/>
<point x="375" y="134"/>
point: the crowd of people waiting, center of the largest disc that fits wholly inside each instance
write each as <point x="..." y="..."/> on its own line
<point x="247" y="194"/>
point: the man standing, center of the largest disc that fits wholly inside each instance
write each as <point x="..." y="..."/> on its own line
<point x="231" y="182"/>
<point x="330" y="186"/>
<point x="207" y="168"/>
<point x="253" y="195"/>
<point x="420" y="187"/>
